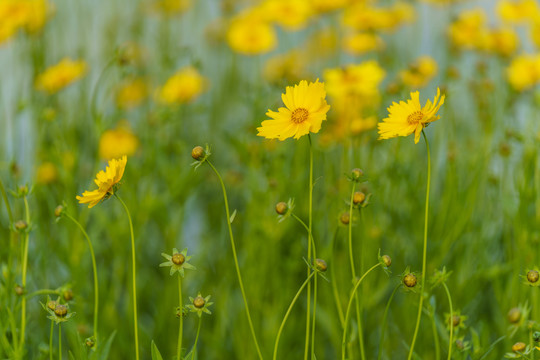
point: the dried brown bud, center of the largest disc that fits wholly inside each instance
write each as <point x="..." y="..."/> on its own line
<point x="281" y="208"/>
<point x="178" y="259"/>
<point x="197" y="153"/>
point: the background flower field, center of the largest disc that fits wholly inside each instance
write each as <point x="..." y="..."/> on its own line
<point x="84" y="82"/>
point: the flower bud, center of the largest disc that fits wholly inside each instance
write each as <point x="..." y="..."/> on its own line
<point x="359" y="197"/>
<point x="386" y="260"/>
<point x="21" y="225"/>
<point x="459" y="344"/>
<point x="356" y="174"/>
<point x="58" y="211"/>
<point x="19" y="290"/>
<point x="456" y="320"/>
<point x="536" y="336"/>
<point x="90" y="342"/>
<point x="197" y="153"/>
<point x="52" y="305"/>
<point x="409" y="280"/>
<point x="178" y="259"/>
<point x="281" y="208"/>
<point x="321" y="265"/>
<point x="345" y="218"/>
<point x="61" y="310"/>
<point x="514" y="315"/>
<point x="532" y="276"/>
<point x="518" y="347"/>
<point x="23" y="190"/>
<point x="68" y="294"/>
<point x="199" y="302"/>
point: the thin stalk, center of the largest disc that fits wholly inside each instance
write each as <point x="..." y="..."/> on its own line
<point x="42" y="292"/>
<point x="94" y="269"/>
<point x="436" y="337"/>
<point x="424" y="252"/>
<point x="93" y="107"/>
<point x="196" y="339"/>
<point x="60" y="341"/>
<point x="51" y="341"/>
<point x="353" y="272"/>
<point x="236" y="260"/>
<point x="451" y="340"/>
<point x="531" y="342"/>
<point x="180" y="331"/>
<point x="314" y="251"/>
<point x="289" y="311"/>
<point x="348" y="312"/>
<point x="134" y="279"/>
<point x="24" y="269"/>
<point x="6" y="201"/>
<point x="11" y="235"/>
<point x="310" y="219"/>
<point x="383" y="324"/>
<point x="334" y="285"/>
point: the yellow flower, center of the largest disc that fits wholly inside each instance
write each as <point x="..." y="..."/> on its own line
<point x="57" y="77"/>
<point x="360" y="43"/>
<point x="170" y="7"/>
<point x="362" y="16"/>
<point x="354" y="80"/>
<point x="21" y="14"/>
<point x="524" y="72"/>
<point x="131" y="93"/>
<point x="519" y="11"/>
<point x="505" y="41"/>
<point x="420" y="73"/>
<point x="184" y="86"/>
<point x="465" y="31"/>
<point x="290" y="14"/>
<point x="117" y="142"/>
<point x="410" y="117"/>
<point x="106" y="181"/>
<point x="328" y="5"/>
<point x="360" y="125"/>
<point x="251" y="36"/>
<point x="305" y="111"/>
<point x="46" y="173"/>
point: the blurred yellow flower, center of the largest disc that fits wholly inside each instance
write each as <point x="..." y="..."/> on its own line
<point x="465" y="31"/>
<point x="117" y="142"/>
<point x="251" y="36"/>
<point x="365" y="17"/>
<point x="359" y="125"/>
<point x="287" y="67"/>
<point x="360" y="80"/>
<point x="58" y="76"/>
<point x="290" y="14"/>
<point x="184" y="86"/>
<point x="361" y="43"/>
<point x="328" y="5"/>
<point x="305" y="111"/>
<point x="410" y="117"/>
<point x="505" y="41"/>
<point x="524" y="72"/>
<point x="46" y="173"/>
<point x="106" y="181"/>
<point x="518" y="11"/>
<point x="420" y="73"/>
<point x="170" y="7"/>
<point x="131" y="93"/>
<point x="30" y="15"/>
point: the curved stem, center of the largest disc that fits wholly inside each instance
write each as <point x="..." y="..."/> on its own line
<point x="424" y="252"/>
<point x="94" y="269"/>
<point x="236" y="259"/>
<point x="51" y="341"/>
<point x="289" y="311"/>
<point x="42" y="292"/>
<point x="180" y="331"/>
<point x="353" y="272"/>
<point x="348" y="312"/>
<point x="310" y="219"/>
<point x="134" y="278"/>
<point x="314" y="251"/>
<point x="196" y="339"/>
<point x="24" y="269"/>
<point x="451" y="340"/>
<point x="383" y="324"/>
<point x="60" y="341"/>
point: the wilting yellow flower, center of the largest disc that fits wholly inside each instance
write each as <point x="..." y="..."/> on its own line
<point x="420" y="73"/>
<point x="117" y="142"/>
<point x="131" y="93"/>
<point x="524" y="72"/>
<point x="519" y="11"/>
<point x="106" y="181"/>
<point x="170" y="7"/>
<point x="305" y="111"/>
<point x="184" y="86"/>
<point x="290" y="14"/>
<point x="251" y="36"/>
<point x="57" y="77"/>
<point x="288" y="67"/>
<point x="410" y="117"/>
<point x="46" y="173"/>
<point x="363" y="42"/>
<point x="465" y="31"/>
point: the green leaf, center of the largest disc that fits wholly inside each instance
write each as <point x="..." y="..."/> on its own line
<point x="231" y="219"/>
<point x="155" y="352"/>
<point x="104" y="352"/>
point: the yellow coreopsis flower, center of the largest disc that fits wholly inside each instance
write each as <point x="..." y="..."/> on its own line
<point x="251" y="36"/>
<point x="290" y="14"/>
<point x="420" y="73"/>
<point x="466" y="30"/>
<point x="305" y="111"/>
<point x="184" y="86"/>
<point x="117" y="142"/>
<point x="519" y="11"/>
<point x="46" y="173"/>
<point x="524" y="72"/>
<point x="355" y="80"/>
<point x="21" y="14"/>
<point x="363" y="42"/>
<point x="410" y="117"/>
<point x="58" y="76"/>
<point x="106" y="181"/>
<point x="131" y="93"/>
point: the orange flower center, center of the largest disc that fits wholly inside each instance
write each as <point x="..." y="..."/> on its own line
<point x="299" y="115"/>
<point x="415" y="117"/>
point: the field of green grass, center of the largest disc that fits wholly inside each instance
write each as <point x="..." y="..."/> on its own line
<point x="364" y="234"/>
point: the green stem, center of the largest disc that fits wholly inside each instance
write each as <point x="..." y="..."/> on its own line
<point x="60" y="341"/>
<point x="383" y="324"/>
<point x="180" y="331"/>
<point x="42" y="292"/>
<point x="94" y="269"/>
<point x="134" y="279"/>
<point x="236" y="259"/>
<point x="348" y="312"/>
<point x="51" y="341"/>
<point x="196" y="339"/>
<point x="310" y="219"/>
<point x="334" y="284"/>
<point x="24" y="269"/>
<point x="314" y="251"/>
<point x="6" y="201"/>
<point x="424" y="252"/>
<point x="289" y="311"/>
<point x="436" y="337"/>
<point x="93" y="107"/>
<point x="451" y="340"/>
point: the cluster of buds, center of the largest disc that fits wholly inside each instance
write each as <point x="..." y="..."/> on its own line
<point x="58" y="312"/>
